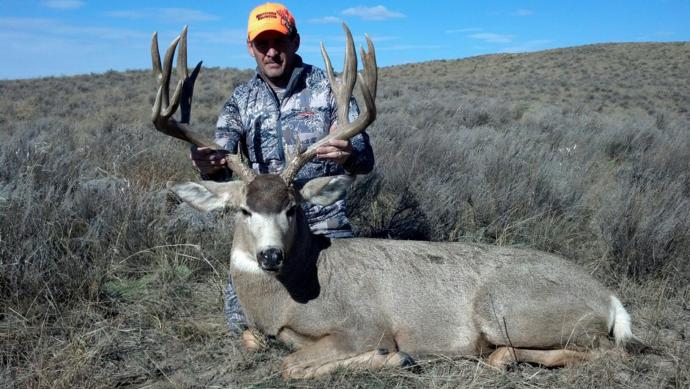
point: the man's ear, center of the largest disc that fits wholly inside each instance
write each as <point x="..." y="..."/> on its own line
<point x="250" y="48"/>
<point x="296" y="42"/>
<point x="326" y="190"/>
<point x="210" y="195"/>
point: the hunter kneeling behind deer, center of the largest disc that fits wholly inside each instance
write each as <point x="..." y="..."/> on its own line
<point x="371" y="303"/>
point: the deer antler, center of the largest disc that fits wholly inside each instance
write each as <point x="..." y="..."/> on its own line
<point x="164" y="108"/>
<point x="343" y="92"/>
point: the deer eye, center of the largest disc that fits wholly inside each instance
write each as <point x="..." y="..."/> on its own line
<point x="245" y="212"/>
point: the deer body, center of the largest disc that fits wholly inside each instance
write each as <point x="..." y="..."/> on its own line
<point x="441" y="298"/>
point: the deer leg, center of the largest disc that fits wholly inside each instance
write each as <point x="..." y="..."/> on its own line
<point x="376" y="359"/>
<point x="504" y="356"/>
<point x="294" y="339"/>
<point x="330" y="352"/>
<point x="253" y="340"/>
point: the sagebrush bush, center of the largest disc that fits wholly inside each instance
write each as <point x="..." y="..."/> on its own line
<point x="531" y="174"/>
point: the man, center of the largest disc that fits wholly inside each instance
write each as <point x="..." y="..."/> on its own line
<point x="284" y="108"/>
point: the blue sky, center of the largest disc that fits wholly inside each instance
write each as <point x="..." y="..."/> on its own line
<point x="65" y="37"/>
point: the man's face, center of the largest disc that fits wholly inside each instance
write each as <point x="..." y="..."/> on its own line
<point x="275" y="54"/>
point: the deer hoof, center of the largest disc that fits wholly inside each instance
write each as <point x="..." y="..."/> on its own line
<point x="253" y="340"/>
<point x="406" y="361"/>
<point x="402" y="360"/>
<point x="501" y="358"/>
<point x="294" y="374"/>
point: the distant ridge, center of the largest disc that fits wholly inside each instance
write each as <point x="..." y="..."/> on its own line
<point x="651" y="77"/>
<point x="613" y="77"/>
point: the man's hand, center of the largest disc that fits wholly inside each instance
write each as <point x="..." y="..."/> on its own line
<point x="337" y="151"/>
<point x="207" y="161"/>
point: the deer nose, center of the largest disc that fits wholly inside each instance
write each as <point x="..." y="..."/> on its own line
<point x="271" y="259"/>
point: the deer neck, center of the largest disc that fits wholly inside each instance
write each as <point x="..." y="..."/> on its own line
<point x="299" y="274"/>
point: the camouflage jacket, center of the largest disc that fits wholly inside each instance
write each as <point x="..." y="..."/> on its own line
<point x="268" y="128"/>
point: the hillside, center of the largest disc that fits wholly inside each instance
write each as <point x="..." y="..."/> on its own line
<point x="647" y="77"/>
<point x="631" y="77"/>
<point x="583" y="152"/>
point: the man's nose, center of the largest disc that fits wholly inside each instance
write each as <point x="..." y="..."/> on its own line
<point x="272" y="51"/>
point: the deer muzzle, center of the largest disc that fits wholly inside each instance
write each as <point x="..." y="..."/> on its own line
<point x="271" y="259"/>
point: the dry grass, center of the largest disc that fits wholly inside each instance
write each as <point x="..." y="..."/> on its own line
<point x="582" y="151"/>
<point x="646" y="78"/>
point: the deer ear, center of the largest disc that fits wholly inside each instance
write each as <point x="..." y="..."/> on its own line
<point x="209" y="195"/>
<point x="326" y="190"/>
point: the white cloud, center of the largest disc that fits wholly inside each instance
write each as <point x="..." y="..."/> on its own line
<point x="325" y="20"/>
<point x="185" y="14"/>
<point x="378" y="12"/>
<point x="490" y="37"/>
<point x="63" y="4"/>
<point x="463" y="30"/>
<point x="41" y="28"/>
<point x="225" y="37"/>
<point x="131" y="14"/>
<point x="523" y="12"/>
<point x="174" y="15"/>
<point x="366" y="13"/>
<point x="411" y="47"/>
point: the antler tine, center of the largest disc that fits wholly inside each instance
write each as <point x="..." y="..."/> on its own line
<point x="167" y="68"/>
<point x="371" y="70"/>
<point x="343" y="89"/>
<point x="182" y="71"/>
<point x="343" y="92"/>
<point x="348" y="78"/>
<point x="156" y="58"/>
<point x="163" y="108"/>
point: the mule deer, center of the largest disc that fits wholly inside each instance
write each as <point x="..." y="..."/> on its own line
<point x="368" y="303"/>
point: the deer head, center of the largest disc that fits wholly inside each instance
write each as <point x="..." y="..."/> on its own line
<point x="268" y="206"/>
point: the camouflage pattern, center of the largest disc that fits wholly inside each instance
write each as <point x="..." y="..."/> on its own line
<point x="234" y="315"/>
<point x="270" y="129"/>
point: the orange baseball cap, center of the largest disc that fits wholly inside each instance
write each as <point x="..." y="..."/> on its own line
<point x="270" y="16"/>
